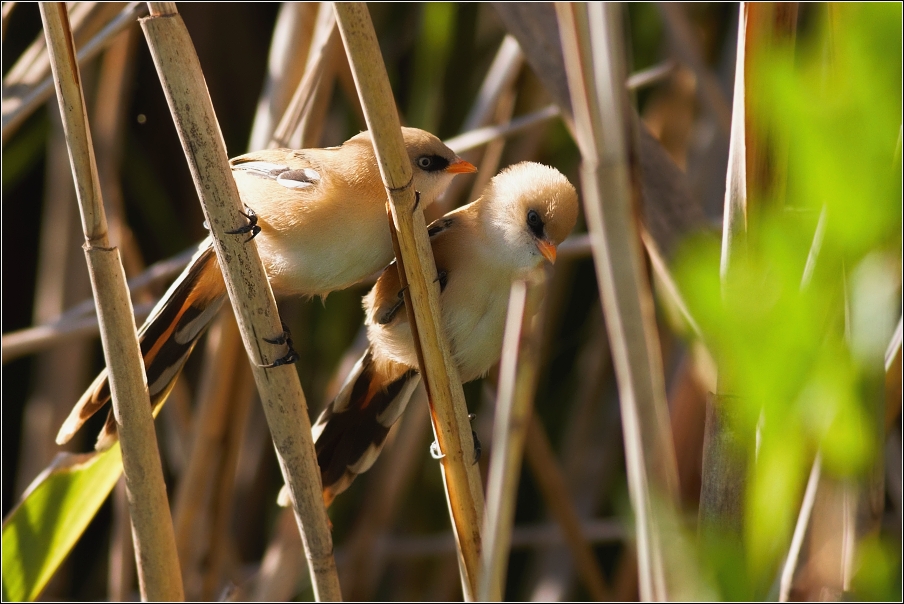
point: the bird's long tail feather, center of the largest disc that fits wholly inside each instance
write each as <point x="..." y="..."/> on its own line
<point x="167" y="339"/>
<point x="351" y="431"/>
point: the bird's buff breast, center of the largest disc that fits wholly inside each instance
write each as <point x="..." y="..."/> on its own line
<point x="316" y="258"/>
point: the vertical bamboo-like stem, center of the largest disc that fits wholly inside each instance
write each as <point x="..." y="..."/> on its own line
<point x="311" y="88"/>
<point x="800" y="530"/>
<point x="15" y="111"/>
<point x="155" y="547"/>
<point x="195" y="500"/>
<point x="591" y="40"/>
<point x="246" y="282"/>
<point x="292" y="36"/>
<point x="518" y="371"/>
<point x="724" y="458"/>
<point x="415" y="259"/>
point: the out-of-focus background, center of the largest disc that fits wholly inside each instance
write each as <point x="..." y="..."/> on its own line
<point x="808" y="341"/>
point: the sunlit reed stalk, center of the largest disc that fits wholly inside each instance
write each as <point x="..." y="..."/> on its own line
<point x="292" y="36"/>
<point x="416" y="266"/>
<point x="518" y="371"/>
<point x="283" y="400"/>
<point x="591" y="40"/>
<point x="158" y="566"/>
<point x="14" y="115"/>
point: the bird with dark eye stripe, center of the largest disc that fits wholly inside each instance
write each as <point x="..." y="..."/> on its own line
<point x="535" y="223"/>
<point x="432" y="163"/>
<point x="479" y="249"/>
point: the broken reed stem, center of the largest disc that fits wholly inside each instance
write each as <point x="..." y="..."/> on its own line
<point x="283" y="400"/>
<point x="518" y="372"/>
<point x="591" y="40"/>
<point x="155" y="546"/>
<point x="15" y="115"/>
<point x="415" y="259"/>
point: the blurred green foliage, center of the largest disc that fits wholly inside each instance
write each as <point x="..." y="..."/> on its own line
<point x="804" y="356"/>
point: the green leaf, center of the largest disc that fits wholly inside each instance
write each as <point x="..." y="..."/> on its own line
<point x="53" y="514"/>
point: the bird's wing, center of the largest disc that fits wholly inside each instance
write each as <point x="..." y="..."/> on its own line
<point x="166" y="339"/>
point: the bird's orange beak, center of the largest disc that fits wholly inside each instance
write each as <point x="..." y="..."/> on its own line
<point x="548" y="250"/>
<point x="460" y="166"/>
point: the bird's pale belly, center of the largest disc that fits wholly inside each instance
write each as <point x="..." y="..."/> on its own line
<point x="325" y="262"/>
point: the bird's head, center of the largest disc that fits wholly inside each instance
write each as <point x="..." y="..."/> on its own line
<point x="433" y="164"/>
<point x="534" y="208"/>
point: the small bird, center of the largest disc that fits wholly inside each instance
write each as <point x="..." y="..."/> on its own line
<point x="524" y="213"/>
<point x="319" y="219"/>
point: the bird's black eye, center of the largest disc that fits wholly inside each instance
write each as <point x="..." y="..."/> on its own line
<point x="432" y="163"/>
<point x="535" y="223"/>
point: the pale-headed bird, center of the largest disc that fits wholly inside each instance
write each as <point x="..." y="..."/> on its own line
<point x="480" y="249"/>
<point x="319" y="219"/>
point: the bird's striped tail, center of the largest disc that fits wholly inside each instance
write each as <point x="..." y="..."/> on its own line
<point x="167" y="339"/>
<point x="350" y="433"/>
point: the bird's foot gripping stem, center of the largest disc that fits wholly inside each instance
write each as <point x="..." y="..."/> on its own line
<point x="284" y="338"/>
<point x="435" y="452"/>
<point x="251" y="227"/>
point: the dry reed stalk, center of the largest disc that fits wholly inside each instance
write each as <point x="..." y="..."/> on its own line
<point x="121" y="574"/>
<point x="16" y="111"/>
<point x="366" y="560"/>
<point x="410" y="548"/>
<point x="194" y="499"/>
<point x="27" y="341"/>
<point x="158" y="566"/>
<point x="724" y="457"/>
<point x="114" y="96"/>
<point x="684" y="43"/>
<point x="473" y="139"/>
<point x="500" y="77"/>
<point x="292" y="37"/>
<point x="112" y="99"/>
<point x="590" y="456"/>
<point x="59" y="372"/>
<point x="283" y="400"/>
<point x="518" y="373"/>
<point x="800" y="531"/>
<point x="7" y="11"/>
<point x="295" y="128"/>
<point x="223" y="551"/>
<point x="756" y="169"/>
<point x="275" y="581"/>
<point x="415" y="260"/>
<point x="492" y="154"/>
<point x="553" y="486"/>
<point x="33" y="65"/>
<point x="893" y="378"/>
<point x="651" y="75"/>
<point x="591" y="40"/>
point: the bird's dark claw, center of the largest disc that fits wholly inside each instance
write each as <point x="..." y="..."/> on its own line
<point x="251" y="227"/>
<point x="417" y="200"/>
<point x="477" y="448"/>
<point x="284" y="338"/>
<point x="443" y="278"/>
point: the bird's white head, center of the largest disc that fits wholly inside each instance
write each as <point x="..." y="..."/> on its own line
<point x="532" y="208"/>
